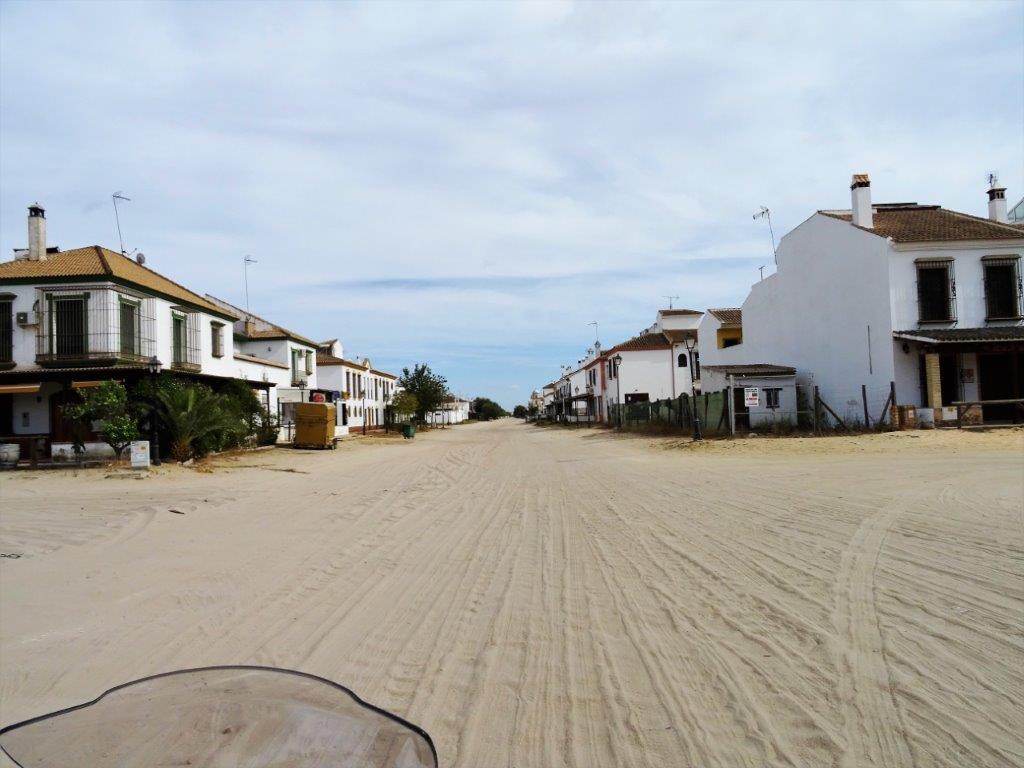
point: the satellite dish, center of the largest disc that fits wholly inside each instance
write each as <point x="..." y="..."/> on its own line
<point x="140" y="257"/>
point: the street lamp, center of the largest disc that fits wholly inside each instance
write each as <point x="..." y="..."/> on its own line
<point x="618" y="387"/>
<point x="691" y="344"/>
<point x="154" y="365"/>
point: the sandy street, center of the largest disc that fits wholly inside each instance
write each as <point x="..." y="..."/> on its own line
<point x="544" y="597"/>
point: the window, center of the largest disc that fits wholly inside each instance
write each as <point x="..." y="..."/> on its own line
<point x="179" y="333"/>
<point x="217" y="339"/>
<point x="1002" y="288"/>
<point x="771" y="397"/>
<point x="69" y="325"/>
<point x="131" y="333"/>
<point x="681" y="360"/>
<point x="296" y="377"/>
<point x="6" y="333"/>
<point x="936" y="292"/>
<point x="309" y="361"/>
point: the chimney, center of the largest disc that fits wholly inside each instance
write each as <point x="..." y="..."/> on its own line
<point x="36" y="235"/>
<point x="997" y="201"/>
<point x="860" y="200"/>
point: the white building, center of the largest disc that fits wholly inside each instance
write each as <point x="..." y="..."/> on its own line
<point x="265" y="351"/>
<point x="661" y="363"/>
<point x="361" y="393"/>
<point x="454" y="410"/>
<point x="70" y="319"/>
<point x="917" y="295"/>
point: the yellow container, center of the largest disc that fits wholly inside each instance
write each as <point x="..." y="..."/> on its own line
<point x="314" y="425"/>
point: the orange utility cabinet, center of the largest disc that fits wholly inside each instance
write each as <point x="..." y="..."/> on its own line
<point x="314" y="425"/>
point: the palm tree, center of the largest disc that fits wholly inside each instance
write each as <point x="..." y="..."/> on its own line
<point x="192" y="414"/>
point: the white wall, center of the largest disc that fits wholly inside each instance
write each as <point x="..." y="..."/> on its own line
<point x="967" y="272"/>
<point x="814" y="312"/>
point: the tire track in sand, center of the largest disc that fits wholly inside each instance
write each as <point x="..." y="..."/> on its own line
<point x="875" y="733"/>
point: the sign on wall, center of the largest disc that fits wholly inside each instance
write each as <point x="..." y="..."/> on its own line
<point x="751" y="397"/>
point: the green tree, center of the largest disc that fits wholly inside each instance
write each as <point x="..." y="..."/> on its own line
<point x="429" y="388"/>
<point x="108" y="405"/>
<point x="520" y="412"/>
<point x="404" y="404"/>
<point x="486" y="409"/>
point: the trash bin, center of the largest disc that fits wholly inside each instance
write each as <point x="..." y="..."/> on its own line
<point x="408" y="431"/>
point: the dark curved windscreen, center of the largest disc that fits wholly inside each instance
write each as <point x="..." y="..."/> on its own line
<point x="221" y="717"/>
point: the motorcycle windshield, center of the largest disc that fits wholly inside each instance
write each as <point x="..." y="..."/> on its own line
<point x="221" y="717"/>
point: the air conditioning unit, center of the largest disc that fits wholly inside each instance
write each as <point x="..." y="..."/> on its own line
<point x="25" y="318"/>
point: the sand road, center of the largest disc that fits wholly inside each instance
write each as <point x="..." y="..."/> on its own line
<point x="541" y="597"/>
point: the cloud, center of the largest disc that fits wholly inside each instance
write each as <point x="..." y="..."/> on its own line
<point x="472" y="184"/>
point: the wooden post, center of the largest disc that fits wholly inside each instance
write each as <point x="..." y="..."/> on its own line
<point x="893" y="405"/>
<point x="864" y="398"/>
<point x="814" y="411"/>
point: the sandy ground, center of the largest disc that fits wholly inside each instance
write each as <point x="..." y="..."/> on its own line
<point x="544" y="597"/>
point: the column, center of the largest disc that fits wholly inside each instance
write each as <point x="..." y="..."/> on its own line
<point x="933" y="381"/>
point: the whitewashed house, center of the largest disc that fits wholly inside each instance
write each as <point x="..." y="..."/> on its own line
<point x="262" y="350"/>
<point x="71" y="319"/>
<point x="920" y="296"/>
<point x="454" y="410"/>
<point x="661" y="363"/>
<point x="361" y="393"/>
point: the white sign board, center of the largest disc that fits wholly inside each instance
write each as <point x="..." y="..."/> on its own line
<point x="140" y="454"/>
<point x="751" y="397"/>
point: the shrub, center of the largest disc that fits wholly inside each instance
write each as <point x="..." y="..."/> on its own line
<point x="197" y="420"/>
<point x="107" y="404"/>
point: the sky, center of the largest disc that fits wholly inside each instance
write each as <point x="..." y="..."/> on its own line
<point x="472" y="184"/>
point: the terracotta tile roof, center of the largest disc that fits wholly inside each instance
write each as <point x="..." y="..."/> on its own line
<point x="954" y="335"/>
<point x="260" y="360"/>
<point x="322" y="358"/>
<point x="673" y="312"/>
<point x="98" y="262"/>
<point x="385" y="374"/>
<point x="255" y="327"/>
<point x="752" y="369"/>
<point x="644" y="341"/>
<point x="912" y="223"/>
<point x="728" y="315"/>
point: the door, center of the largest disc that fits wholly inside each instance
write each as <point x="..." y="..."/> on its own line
<point x="1000" y="378"/>
<point x="739" y="405"/>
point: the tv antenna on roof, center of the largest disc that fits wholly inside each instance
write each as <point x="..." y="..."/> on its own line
<point x="115" y="197"/>
<point x="764" y="213"/>
<point x="245" y="269"/>
<point x="993" y="179"/>
<point x="596" y="337"/>
<point x="670" y="300"/>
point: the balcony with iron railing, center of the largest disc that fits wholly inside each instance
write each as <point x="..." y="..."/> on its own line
<point x="93" y="327"/>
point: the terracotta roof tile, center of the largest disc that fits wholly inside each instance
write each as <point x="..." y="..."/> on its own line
<point x="255" y="327"/>
<point x="644" y="341"/>
<point x="728" y="315"/>
<point x="953" y="335"/>
<point x="913" y="223"/>
<point x="98" y="262"/>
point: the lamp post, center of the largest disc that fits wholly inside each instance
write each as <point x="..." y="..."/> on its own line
<point x="154" y="365"/>
<point x="691" y="344"/>
<point x="618" y="387"/>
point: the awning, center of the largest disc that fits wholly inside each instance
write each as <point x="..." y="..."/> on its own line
<point x="19" y="389"/>
<point x="85" y="384"/>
